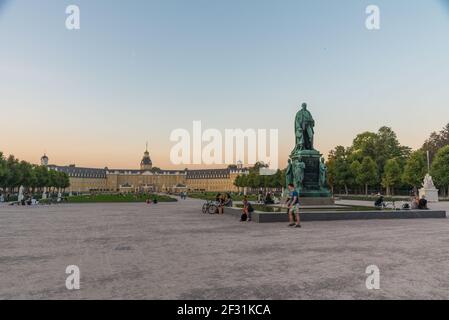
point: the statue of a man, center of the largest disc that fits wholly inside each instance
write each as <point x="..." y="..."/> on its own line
<point x="304" y="132"/>
<point x="323" y="174"/>
<point x="289" y="173"/>
<point x="298" y="173"/>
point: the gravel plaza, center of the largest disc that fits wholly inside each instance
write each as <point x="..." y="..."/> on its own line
<point x="173" y="251"/>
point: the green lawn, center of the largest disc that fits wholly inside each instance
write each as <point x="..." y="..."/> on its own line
<point x="118" y="198"/>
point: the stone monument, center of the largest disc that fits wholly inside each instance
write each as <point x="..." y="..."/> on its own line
<point x="20" y="197"/>
<point x="306" y="168"/>
<point x="428" y="190"/>
<point x="44" y="193"/>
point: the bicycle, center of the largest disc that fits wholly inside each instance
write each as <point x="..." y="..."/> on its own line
<point x="210" y="207"/>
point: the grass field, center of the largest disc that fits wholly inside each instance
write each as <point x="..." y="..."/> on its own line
<point x="118" y="198"/>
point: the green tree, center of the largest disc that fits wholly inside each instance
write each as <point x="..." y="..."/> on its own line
<point x="14" y="174"/>
<point x="3" y="171"/>
<point x="364" y="145"/>
<point x="436" y="141"/>
<point x="42" y="176"/>
<point x="391" y="175"/>
<point x="355" y="168"/>
<point x="368" y="173"/>
<point x="415" y="170"/>
<point x="339" y="172"/>
<point x="440" y="169"/>
<point x="380" y="147"/>
<point x="52" y="179"/>
<point x="277" y="180"/>
<point x="238" y="182"/>
<point x="28" y="176"/>
<point x="64" y="180"/>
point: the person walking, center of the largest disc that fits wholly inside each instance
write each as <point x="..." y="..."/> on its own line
<point x="293" y="207"/>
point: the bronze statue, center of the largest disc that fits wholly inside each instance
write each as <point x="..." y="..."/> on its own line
<point x="323" y="174"/>
<point x="306" y="168"/>
<point x="304" y="132"/>
<point x="289" y="174"/>
<point x="298" y="173"/>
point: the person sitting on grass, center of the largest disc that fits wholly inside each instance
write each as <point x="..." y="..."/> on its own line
<point x="293" y="207"/>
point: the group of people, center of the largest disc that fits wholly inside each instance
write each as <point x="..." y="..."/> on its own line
<point x="420" y="204"/>
<point x="417" y="203"/>
<point x="223" y="200"/>
<point x="154" y="200"/>
<point x="267" y="198"/>
<point x="183" y="195"/>
<point x="27" y="199"/>
<point x="292" y="207"/>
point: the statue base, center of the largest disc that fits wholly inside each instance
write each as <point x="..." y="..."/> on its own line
<point x="311" y="183"/>
<point x="431" y="195"/>
<point x="428" y="190"/>
<point x="314" y="201"/>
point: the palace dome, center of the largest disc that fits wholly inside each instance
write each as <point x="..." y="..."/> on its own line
<point x="146" y="163"/>
<point x="44" y="160"/>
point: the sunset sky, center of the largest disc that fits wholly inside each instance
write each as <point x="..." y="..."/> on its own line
<point x="136" y="70"/>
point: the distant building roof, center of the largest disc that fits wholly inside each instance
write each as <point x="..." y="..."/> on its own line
<point x="139" y="171"/>
<point x="76" y="172"/>
<point x="208" y="174"/>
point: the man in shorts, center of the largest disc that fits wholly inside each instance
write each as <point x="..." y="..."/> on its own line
<point x="293" y="207"/>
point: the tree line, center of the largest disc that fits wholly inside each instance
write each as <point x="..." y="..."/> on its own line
<point x="375" y="161"/>
<point x="378" y="161"/>
<point x="254" y="180"/>
<point x="15" y="173"/>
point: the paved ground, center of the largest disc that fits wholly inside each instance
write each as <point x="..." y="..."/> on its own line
<point x="135" y="251"/>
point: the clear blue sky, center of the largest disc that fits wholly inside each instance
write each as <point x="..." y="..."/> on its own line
<point x="138" y="69"/>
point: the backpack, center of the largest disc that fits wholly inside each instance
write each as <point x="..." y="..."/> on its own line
<point x="244" y="217"/>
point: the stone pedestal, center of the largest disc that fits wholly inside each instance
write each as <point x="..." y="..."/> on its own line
<point x="428" y="190"/>
<point x="311" y="184"/>
<point x="431" y="195"/>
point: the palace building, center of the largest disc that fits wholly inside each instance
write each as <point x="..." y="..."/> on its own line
<point x="148" y="178"/>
